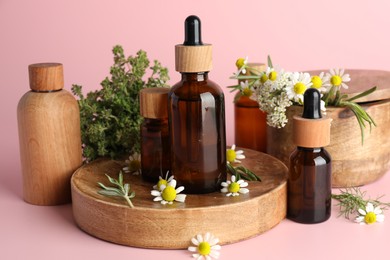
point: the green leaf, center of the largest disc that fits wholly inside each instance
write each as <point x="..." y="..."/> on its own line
<point x="363" y="94"/>
<point x="269" y="61"/>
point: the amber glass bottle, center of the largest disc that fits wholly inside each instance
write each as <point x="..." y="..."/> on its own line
<point x="309" y="180"/>
<point x="196" y="117"/>
<point x="155" y="145"/>
<point x="250" y="123"/>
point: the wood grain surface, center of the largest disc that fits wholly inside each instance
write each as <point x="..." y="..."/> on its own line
<point x="153" y="225"/>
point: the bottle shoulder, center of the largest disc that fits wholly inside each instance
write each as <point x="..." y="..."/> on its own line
<point x="196" y="87"/>
<point x="311" y="156"/>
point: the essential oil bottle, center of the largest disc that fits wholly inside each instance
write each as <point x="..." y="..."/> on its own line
<point x="309" y="180"/>
<point x="196" y="112"/>
<point x="155" y="146"/>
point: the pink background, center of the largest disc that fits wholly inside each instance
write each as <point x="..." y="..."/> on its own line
<point x="300" y="34"/>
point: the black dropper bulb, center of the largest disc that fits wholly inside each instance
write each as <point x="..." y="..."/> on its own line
<point x="312" y="104"/>
<point x="193" y="35"/>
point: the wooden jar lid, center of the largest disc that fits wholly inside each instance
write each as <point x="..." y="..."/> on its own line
<point x="311" y="133"/>
<point x="258" y="67"/>
<point x="154" y="102"/>
<point x="46" y="76"/>
<point x="193" y="58"/>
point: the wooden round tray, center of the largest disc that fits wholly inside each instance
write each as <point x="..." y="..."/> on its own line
<point x="153" y="225"/>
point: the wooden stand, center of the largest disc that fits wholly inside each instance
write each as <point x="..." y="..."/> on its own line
<point x="153" y="225"/>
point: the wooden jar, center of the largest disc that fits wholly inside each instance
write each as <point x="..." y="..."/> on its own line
<point x="353" y="164"/>
<point x="49" y="136"/>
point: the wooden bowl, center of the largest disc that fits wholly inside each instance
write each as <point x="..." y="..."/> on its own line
<point x="153" y="225"/>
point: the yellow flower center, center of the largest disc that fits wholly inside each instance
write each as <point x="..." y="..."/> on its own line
<point x="317" y="82"/>
<point x="234" y="187"/>
<point x="247" y="92"/>
<point x="240" y="62"/>
<point x="336" y="80"/>
<point x="273" y="75"/>
<point x="169" y="193"/>
<point x="299" y="88"/>
<point x="230" y="155"/>
<point x="161" y="182"/>
<point x="263" y="78"/>
<point x="134" y="165"/>
<point x="370" y="218"/>
<point x="204" y="248"/>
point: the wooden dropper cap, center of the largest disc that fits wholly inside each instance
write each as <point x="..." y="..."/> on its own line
<point x="311" y="130"/>
<point x="46" y="76"/>
<point x="154" y="103"/>
<point x="193" y="56"/>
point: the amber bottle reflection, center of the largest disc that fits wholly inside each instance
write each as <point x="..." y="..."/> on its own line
<point x="250" y="125"/>
<point x="197" y="125"/>
<point x="309" y="185"/>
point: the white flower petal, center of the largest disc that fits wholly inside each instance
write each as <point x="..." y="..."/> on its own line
<point x="180" y="197"/>
<point x="155" y="193"/>
<point x="233" y="147"/>
<point x="194" y="241"/>
<point x="157" y="199"/>
<point x="380" y="218"/>
<point x="377" y="210"/>
<point x="192" y="248"/>
<point x="164" y="202"/>
<point x="244" y="184"/>
<point x="224" y="184"/>
<point x="362" y="212"/>
<point x="215" y="254"/>
<point x="172" y="183"/>
<point x="243" y="190"/>
<point x="229" y="194"/>
<point x="359" y="219"/>
<point x="240" y="156"/>
<point x="214" y="242"/>
<point x="199" y="237"/>
<point x="224" y="190"/>
<point x="207" y="237"/>
<point x="369" y="207"/>
<point x="233" y="178"/>
<point x="179" y="189"/>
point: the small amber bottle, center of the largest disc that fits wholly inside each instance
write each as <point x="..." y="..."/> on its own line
<point x="196" y="117"/>
<point x="155" y="146"/>
<point x="250" y="123"/>
<point x="309" y="180"/>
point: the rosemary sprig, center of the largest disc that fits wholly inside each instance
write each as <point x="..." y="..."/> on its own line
<point x="352" y="199"/>
<point x="123" y="190"/>
<point x="242" y="173"/>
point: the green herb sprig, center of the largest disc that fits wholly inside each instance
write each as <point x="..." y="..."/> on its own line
<point x="350" y="200"/>
<point x="110" y="117"/>
<point x="122" y="189"/>
<point x="242" y="173"/>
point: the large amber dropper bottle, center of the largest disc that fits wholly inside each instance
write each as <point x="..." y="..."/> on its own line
<point x="196" y="112"/>
<point x="309" y="180"/>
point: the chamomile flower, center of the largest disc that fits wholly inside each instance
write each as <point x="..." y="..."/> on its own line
<point x="370" y="215"/>
<point x="298" y="85"/>
<point x="241" y="64"/>
<point x="337" y="78"/>
<point x="232" y="155"/>
<point x="163" y="181"/>
<point x="167" y="193"/>
<point x="246" y="90"/>
<point x="205" y="247"/>
<point x="318" y="82"/>
<point x="234" y="188"/>
<point x="133" y="164"/>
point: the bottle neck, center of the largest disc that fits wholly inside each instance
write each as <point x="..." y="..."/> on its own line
<point x="195" y="76"/>
<point x="313" y="150"/>
<point x="155" y="121"/>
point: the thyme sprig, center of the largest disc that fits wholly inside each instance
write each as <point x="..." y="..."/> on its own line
<point x="123" y="190"/>
<point x="352" y="199"/>
<point x="242" y="172"/>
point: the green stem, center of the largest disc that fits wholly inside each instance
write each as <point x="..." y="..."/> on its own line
<point x="129" y="201"/>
